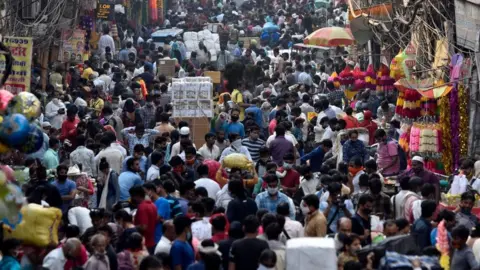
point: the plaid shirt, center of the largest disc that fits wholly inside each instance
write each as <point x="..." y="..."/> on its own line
<point x="395" y="260"/>
<point x="264" y="201"/>
<point x="134" y="140"/>
<point x="382" y="205"/>
<point x="148" y="116"/>
<point x="336" y="95"/>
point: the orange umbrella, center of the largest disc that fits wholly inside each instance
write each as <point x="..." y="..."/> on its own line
<point x="330" y="37"/>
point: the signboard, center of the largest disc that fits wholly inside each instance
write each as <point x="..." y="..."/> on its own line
<point x="73" y="46"/>
<point x="21" y="49"/>
<point x="467" y="22"/>
<point x="105" y="10"/>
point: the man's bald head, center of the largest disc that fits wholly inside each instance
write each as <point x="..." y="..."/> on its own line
<point x="72" y="248"/>
<point x="169" y="230"/>
<point x="344" y="225"/>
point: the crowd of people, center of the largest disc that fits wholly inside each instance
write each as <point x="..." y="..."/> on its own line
<point x="137" y="193"/>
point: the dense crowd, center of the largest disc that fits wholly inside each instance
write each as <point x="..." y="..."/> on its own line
<point x="137" y="193"/>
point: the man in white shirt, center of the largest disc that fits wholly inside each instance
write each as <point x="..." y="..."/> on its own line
<point x="154" y="170"/>
<point x="56" y="259"/>
<point x="105" y="79"/>
<point x="113" y="155"/>
<point x="80" y="216"/>
<point x="209" y="150"/>
<point x="184" y="136"/>
<point x="56" y="112"/>
<point x="201" y="229"/>
<point x="398" y="200"/>
<point x="211" y="186"/>
<point x="428" y="193"/>
<point x="293" y="228"/>
<point x="106" y="41"/>
<point x="165" y="243"/>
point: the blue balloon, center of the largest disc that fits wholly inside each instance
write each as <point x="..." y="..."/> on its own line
<point x="14" y="129"/>
<point x="34" y="140"/>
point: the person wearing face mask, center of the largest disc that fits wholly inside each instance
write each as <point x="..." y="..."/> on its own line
<point x="355" y="170"/>
<point x="462" y="179"/>
<point x="55" y="111"/>
<point x="254" y="143"/>
<point x="315" y="221"/>
<point x="10" y="250"/>
<point x="56" y="259"/>
<point x="464" y="215"/>
<point x="335" y="207"/>
<point x="272" y="197"/>
<point x="98" y="260"/>
<point x="361" y="220"/>
<point x="147" y="112"/>
<point x="141" y="136"/>
<point x="181" y="253"/>
<point x="180" y="146"/>
<point x="427" y="176"/>
<point x="139" y="153"/>
<point x="234" y="126"/>
<point x="291" y="181"/>
<point x="235" y="147"/>
<point x="354" y="147"/>
<point x="66" y="187"/>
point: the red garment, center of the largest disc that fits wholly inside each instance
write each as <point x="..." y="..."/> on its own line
<point x="219" y="237"/>
<point x="147" y="215"/>
<point x="370" y="125"/>
<point x="272" y="126"/>
<point x="291" y="179"/>
<point x="352" y="122"/>
<point x="83" y="258"/>
<point x="69" y="131"/>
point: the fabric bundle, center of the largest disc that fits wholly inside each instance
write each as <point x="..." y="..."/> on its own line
<point x="425" y="139"/>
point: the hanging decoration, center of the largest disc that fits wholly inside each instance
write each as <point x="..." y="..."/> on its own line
<point x="447" y="156"/>
<point x="464" y="119"/>
<point x="455" y="73"/>
<point x="370" y="78"/>
<point x="384" y="81"/>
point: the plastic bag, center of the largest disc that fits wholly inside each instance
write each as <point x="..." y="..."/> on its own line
<point x="239" y="161"/>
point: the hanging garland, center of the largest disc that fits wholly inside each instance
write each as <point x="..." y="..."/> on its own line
<point x="464" y="119"/>
<point x="455" y="126"/>
<point x="447" y="157"/>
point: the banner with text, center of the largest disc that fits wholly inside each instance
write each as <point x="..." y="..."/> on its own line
<point x="21" y="49"/>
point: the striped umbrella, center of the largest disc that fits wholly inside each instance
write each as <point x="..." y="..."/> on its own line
<point x="330" y="37"/>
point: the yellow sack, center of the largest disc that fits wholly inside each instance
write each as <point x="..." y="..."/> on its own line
<point x="239" y="161"/>
<point x="39" y="226"/>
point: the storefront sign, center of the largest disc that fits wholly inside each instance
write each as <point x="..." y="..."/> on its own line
<point x="73" y="46"/>
<point x="105" y="10"/>
<point x="21" y="49"/>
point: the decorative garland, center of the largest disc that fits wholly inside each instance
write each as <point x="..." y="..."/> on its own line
<point x="447" y="157"/>
<point x="464" y="119"/>
<point x="455" y="126"/>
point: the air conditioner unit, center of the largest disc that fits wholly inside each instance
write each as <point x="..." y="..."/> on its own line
<point x="30" y="8"/>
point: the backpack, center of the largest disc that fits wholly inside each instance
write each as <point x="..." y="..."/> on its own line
<point x="402" y="156"/>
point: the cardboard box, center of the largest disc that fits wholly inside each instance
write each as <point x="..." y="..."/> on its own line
<point x="199" y="126"/>
<point x="166" y="67"/>
<point x="216" y="76"/>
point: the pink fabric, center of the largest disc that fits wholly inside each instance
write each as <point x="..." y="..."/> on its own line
<point x="386" y="153"/>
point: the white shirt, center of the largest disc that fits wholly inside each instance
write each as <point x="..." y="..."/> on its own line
<point x="55" y="260"/>
<point x="51" y="113"/>
<point x="119" y="148"/>
<point x="223" y="198"/>
<point x="211" y="186"/>
<point x="113" y="156"/>
<point x="209" y="154"/>
<point x="153" y="173"/>
<point x="309" y="186"/>
<point x="80" y="102"/>
<point x="293" y="228"/>
<point x="399" y="203"/>
<point x="417" y="209"/>
<point x="163" y="246"/>
<point x="356" y="181"/>
<point x="106" y="80"/>
<point x="176" y="149"/>
<point x="202" y="229"/>
<point x="80" y="216"/>
<point x="459" y="185"/>
<point x="106" y="41"/>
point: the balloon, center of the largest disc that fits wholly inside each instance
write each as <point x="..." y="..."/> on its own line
<point x="34" y="140"/>
<point x="14" y="130"/>
<point x="27" y="104"/>
<point x="5" y="97"/>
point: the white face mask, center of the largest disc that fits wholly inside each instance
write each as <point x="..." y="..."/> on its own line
<point x="272" y="191"/>
<point x="305" y="210"/>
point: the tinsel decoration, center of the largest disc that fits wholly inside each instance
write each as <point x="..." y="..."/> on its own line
<point x="464" y="119"/>
<point x="447" y="156"/>
<point x="455" y="126"/>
